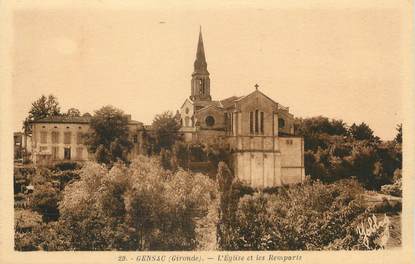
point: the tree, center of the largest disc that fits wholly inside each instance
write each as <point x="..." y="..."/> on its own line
<point x="362" y="132"/>
<point x="166" y="130"/>
<point x="398" y="137"/>
<point x="41" y="108"/>
<point x="108" y="138"/>
<point x="45" y="201"/>
<point x="135" y="207"/>
<point x="320" y="125"/>
<point x="73" y="112"/>
<point x="309" y="216"/>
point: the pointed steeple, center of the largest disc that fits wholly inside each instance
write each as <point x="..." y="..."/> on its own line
<point x="200" y="65"/>
<point x="200" y="89"/>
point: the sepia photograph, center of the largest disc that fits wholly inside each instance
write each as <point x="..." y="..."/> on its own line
<point x="194" y="131"/>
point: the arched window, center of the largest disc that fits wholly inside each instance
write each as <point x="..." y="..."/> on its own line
<point x="281" y="123"/>
<point x="210" y="121"/>
<point x="186" y="121"/>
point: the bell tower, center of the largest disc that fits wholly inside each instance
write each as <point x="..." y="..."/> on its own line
<point x="200" y="77"/>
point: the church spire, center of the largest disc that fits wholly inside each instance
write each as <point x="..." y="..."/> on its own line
<point x="200" y="65"/>
<point x="200" y="88"/>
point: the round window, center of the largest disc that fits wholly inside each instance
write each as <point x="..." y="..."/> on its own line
<point x="281" y="123"/>
<point x="210" y="121"/>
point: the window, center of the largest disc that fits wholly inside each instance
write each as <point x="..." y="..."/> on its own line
<point x="67" y="138"/>
<point x="281" y="123"/>
<point x="135" y="139"/>
<point x="210" y="121"/>
<point x="289" y="141"/>
<point x="231" y="121"/>
<point x="79" y="153"/>
<point x="55" y="153"/>
<point x="187" y="110"/>
<point x="256" y="121"/>
<point x="43" y="137"/>
<point x="262" y="122"/>
<point x="43" y="148"/>
<point x="55" y="137"/>
<point x="251" y="122"/>
<point x="79" y="138"/>
<point x="186" y="121"/>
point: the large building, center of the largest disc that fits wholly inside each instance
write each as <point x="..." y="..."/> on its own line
<point x="259" y="130"/>
<point x="60" y="138"/>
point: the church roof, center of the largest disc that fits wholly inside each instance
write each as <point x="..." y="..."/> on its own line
<point x="229" y="102"/>
<point x="207" y="103"/>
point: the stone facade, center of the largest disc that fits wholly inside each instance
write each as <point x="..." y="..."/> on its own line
<point x="259" y="130"/>
<point x="60" y="138"/>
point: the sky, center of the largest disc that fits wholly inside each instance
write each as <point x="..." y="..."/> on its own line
<point x="343" y="63"/>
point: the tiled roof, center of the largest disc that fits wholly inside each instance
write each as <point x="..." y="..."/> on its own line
<point x="65" y="119"/>
<point x="74" y="120"/>
<point x="228" y="102"/>
<point x="208" y="103"/>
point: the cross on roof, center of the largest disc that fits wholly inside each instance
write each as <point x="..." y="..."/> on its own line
<point x="256" y="86"/>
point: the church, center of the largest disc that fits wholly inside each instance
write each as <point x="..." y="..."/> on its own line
<point x="260" y="131"/>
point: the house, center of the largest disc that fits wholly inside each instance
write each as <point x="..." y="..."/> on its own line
<point x="260" y="131"/>
<point x="21" y="146"/>
<point x="60" y="138"/>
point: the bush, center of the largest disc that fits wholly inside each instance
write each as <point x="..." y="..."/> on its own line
<point x="140" y="207"/>
<point x="44" y="200"/>
<point x="65" y="177"/>
<point x="43" y="236"/>
<point x="303" y="217"/>
<point x="388" y="206"/>
<point x="394" y="189"/>
<point x="67" y="165"/>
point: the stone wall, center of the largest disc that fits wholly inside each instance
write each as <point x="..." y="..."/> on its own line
<point x="217" y="114"/>
<point x="292" y="159"/>
<point x="258" y="169"/>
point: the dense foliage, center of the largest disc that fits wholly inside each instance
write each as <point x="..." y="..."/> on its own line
<point x="311" y="216"/>
<point x="166" y="131"/>
<point x="41" y="108"/>
<point x="135" y="207"/>
<point x="335" y="151"/>
<point x="109" y="138"/>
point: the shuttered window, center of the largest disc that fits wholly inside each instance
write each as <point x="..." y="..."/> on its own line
<point x="67" y="138"/>
<point x="79" y="138"/>
<point x="55" y="137"/>
<point x="43" y="137"/>
<point x="55" y="153"/>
